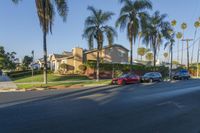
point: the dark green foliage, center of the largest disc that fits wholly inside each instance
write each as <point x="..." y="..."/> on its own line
<point x="17" y="74"/>
<point x="64" y="66"/>
<point x="82" y="68"/>
<point x="7" y="59"/>
<point x="138" y="69"/>
<point x="27" y="60"/>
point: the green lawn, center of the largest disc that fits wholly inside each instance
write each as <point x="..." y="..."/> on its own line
<point x="65" y="84"/>
<point x="51" y="78"/>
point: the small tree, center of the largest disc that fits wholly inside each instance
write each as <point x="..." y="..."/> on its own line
<point x="141" y="52"/>
<point x="7" y="59"/>
<point x="27" y="60"/>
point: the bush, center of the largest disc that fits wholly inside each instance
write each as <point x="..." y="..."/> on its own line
<point x="63" y="68"/>
<point x="18" y="74"/>
<point x="138" y="69"/>
<point x="82" y="68"/>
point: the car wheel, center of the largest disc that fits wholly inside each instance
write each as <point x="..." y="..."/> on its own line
<point x="151" y="81"/>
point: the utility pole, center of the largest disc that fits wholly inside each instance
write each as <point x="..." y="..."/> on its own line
<point x="187" y="41"/>
<point x="198" y="59"/>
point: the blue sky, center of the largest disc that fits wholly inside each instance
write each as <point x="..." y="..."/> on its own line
<point x="20" y="30"/>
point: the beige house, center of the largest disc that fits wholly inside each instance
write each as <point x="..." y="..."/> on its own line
<point x="109" y="54"/>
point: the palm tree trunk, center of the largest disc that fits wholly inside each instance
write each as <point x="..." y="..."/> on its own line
<point x="171" y="49"/>
<point x="198" y="59"/>
<point x="188" y="59"/>
<point x="131" y="54"/>
<point x="97" y="73"/>
<point x="182" y="50"/>
<point x="138" y="45"/>
<point x="193" y="45"/>
<point x="182" y="55"/>
<point x="154" y="59"/>
<point x="45" y="57"/>
<point x="45" y="43"/>
<point x="178" y="51"/>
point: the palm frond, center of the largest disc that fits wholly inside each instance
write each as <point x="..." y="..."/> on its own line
<point x="122" y="22"/>
<point x="62" y="8"/>
<point x="16" y="1"/>
<point x="142" y="4"/>
<point x="110" y="33"/>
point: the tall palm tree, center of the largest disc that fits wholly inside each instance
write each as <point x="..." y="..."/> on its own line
<point x="155" y="31"/>
<point x="173" y="23"/>
<point x="179" y="35"/>
<point x="170" y="43"/>
<point x="196" y="25"/>
<point x="141" y="51"/>
<point x="46" y="15"/>
<point x="132" y="15"/>
<point x="139" y="39"/>
<point x="166" y="54"/>
<point x="183" y="27"/>
<point x="96" y="29"/>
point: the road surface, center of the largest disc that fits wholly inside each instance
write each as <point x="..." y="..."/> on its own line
<point x="143" y="108"/>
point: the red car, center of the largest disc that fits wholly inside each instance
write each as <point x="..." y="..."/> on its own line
<point x="126" y="79"/>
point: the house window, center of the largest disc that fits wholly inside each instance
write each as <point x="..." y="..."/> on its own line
<point x="121" y="53"/>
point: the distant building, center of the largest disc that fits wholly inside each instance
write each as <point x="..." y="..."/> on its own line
<point x="109" y="54"/>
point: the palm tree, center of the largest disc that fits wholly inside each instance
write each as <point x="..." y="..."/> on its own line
<point x="149" y="56"/>
<point x="155" y="31"/>
<point x="173" y="23"/>
<point x="179" y="35"/>
<point x="141" y="51"/>
<point x="96" y="29"/>
<point x="170" y="43"/>
<point x="183" y="27"/>
<point x="46" y="15"/>
<point x="132" y="15"/>
<point x="166" y="54"/>
<point x="196" y="25"/>
<point x="139" y="39"/>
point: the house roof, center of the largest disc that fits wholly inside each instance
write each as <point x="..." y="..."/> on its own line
<point x="57" y="56"/>
<point x="67" y="53"/>
<point x="106" y="47"/>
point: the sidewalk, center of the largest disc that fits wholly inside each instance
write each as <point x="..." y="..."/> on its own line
<point x="6" y="84"/>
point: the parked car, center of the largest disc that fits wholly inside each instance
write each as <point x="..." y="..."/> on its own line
<point x="126" y="79"/>
<point x="182" y="74"/>
<point x="151" y="77"/>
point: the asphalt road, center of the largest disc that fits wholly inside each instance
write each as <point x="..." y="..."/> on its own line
<point x="142" y="108"/>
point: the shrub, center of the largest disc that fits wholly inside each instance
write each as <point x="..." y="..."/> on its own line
<point x="82" y="68"/>
<point x="139" y="69"/>
<point x="18" y="74"/>
<point x="63" y="68"/>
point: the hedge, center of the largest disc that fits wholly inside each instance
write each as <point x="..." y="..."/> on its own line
<point x="23" y="73"/>
<point x="127" y="67"/>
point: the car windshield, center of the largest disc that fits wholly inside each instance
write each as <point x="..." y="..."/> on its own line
<point x="148" y="74"/>
<point x="124" y="75"/>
